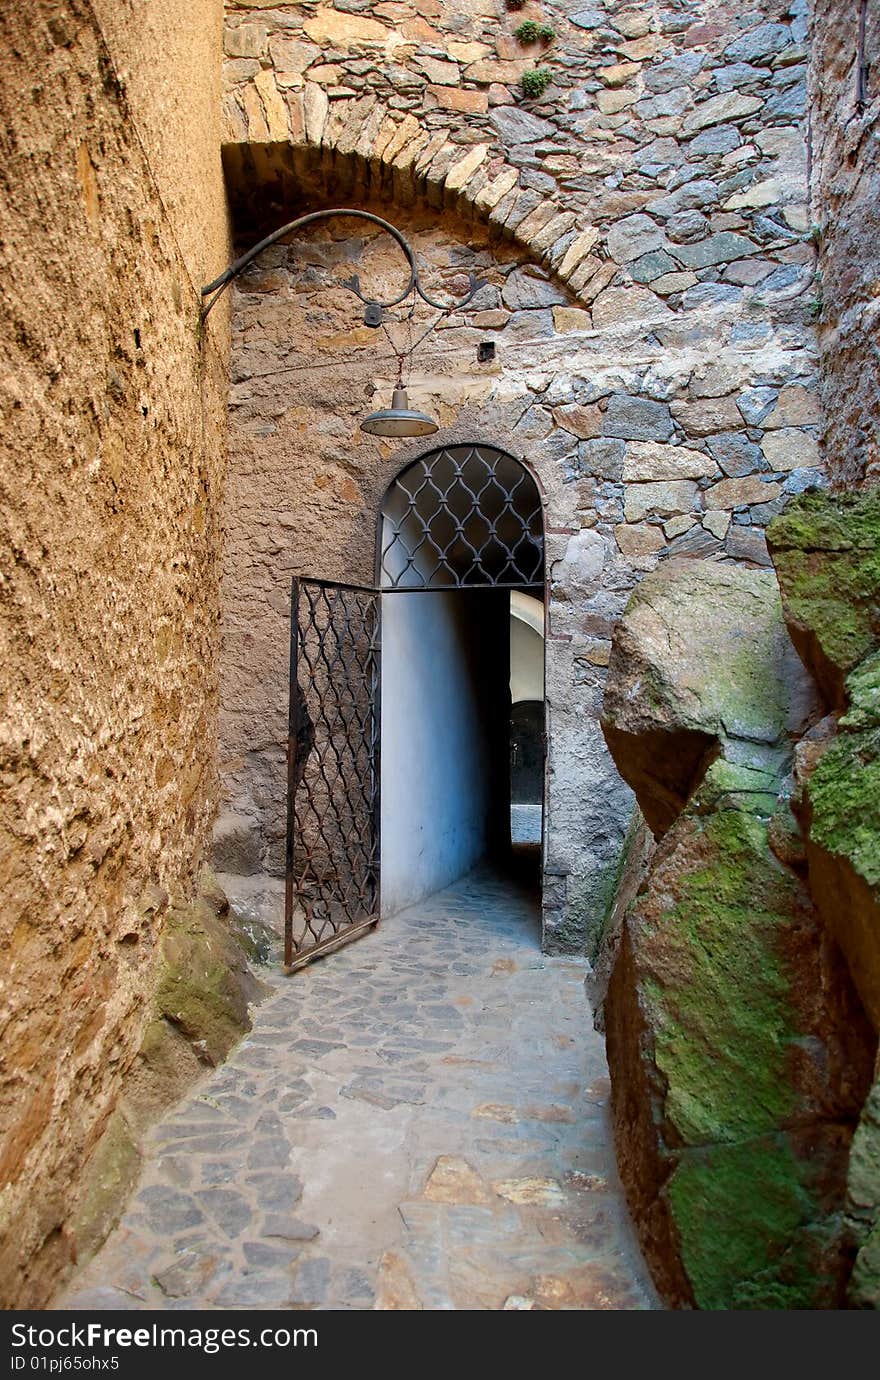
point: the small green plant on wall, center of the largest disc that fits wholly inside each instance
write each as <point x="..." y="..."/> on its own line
<point x="535" y="82"/>
<point x="530" y="32"/>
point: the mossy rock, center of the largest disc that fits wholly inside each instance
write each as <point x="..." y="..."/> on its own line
<point x="826" y="550"/>
<point x="863" y="1185"/>
<point x="844" y="803"/>
<point x="734" y="1092"/>
<point x="107" y="1178"/>
<point x="842" y="800"/>
<point x="204" y="984"/>
<point x="863" y="695"/>
<point x="863" y="1204"/>
<point x="716" y="989"/>
<point x="746" y="1216"/>
<point x="864" y="1291"/>
<point x="700" y="660"/>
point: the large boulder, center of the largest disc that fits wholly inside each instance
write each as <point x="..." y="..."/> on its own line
<point x="738" y="1050"/>
<point x="700" y="658"/>
<point x="739" y="1061"/>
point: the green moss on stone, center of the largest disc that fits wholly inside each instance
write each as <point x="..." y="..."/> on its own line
<point x="823" y="521"/>
<point x="863" y="1179"/>
<point x="723" y="1031"/>
<point x="826" y="549"/>
<point x="865" y="1283"/>
<point x="844" y="797"/>
<point x="863" y="694"/>
<point x="608" y="886"/>
<point x="731" y="785"/>
<point x="712" y="647"/>
<point x="751" y="688"/>
<point x="107" y="1178"/>
<point x="863" y="1203"/>
<point x="204" y="984"/>
<point x="740" y="1211"/>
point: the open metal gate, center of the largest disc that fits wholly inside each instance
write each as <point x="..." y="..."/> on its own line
<point x="332" y="872"/>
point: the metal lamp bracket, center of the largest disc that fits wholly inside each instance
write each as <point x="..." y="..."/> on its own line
<point x="373" y="314"/>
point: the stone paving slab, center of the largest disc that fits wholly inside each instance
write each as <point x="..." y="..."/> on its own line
<point x="418" y="1121"/>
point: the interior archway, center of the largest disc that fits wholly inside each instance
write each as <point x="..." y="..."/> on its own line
<point x="460" y="535"/>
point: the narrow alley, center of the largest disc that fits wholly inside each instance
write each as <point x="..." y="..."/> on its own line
<point x="419" y="1121"/>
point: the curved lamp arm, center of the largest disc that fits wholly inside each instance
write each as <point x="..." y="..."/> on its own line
<point x="212" y="291"/>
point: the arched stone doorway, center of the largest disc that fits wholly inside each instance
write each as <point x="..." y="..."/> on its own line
<point x="460" y="536"/>
<point x="400" y="695"/>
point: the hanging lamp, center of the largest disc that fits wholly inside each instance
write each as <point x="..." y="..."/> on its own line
<point x="399" y="419"/>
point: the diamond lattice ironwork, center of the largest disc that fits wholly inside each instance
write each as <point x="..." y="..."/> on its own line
<point x="333" y="767"/>
<point x="460" y="517"/>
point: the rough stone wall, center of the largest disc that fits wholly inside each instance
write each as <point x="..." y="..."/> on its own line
<point x="845" y="102"/>
<point x="112" y="408"/>
<point x="166" y="57"/>
<point x="645" y="233"/>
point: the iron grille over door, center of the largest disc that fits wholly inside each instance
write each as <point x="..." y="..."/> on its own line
<point x="461" y="517"/>
<point x="332" y="883"/>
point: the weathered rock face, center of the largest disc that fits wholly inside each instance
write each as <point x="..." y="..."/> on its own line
<point x="845" y="105"/>
<point x="842" y="815"/>
<point x="700" y="658"/>
<point x="733" y="1090"/>
<point x="738" y="1050"/>
<point x="110" y="467"/>
<point x="204" y="982"/>
<point x="863" y="1204"/>
<point x="826" y="550"/>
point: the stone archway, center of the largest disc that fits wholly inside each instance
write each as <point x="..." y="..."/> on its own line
<point x="299" y="145"/>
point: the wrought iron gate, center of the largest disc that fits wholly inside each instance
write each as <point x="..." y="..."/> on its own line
<point x="332" y="872"/>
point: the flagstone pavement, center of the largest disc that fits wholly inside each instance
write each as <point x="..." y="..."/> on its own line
<point x="418" y="1121"/>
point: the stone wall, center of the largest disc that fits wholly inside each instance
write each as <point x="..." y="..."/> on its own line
<point x="845" y="89"/>
<point x="644" y="229"/>
<point x="112" y="409"/>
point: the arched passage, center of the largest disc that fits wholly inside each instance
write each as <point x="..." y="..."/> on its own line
<point x="460" y="534"/>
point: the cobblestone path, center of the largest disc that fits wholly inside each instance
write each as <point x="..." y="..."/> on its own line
<point x="418" y="1121"/>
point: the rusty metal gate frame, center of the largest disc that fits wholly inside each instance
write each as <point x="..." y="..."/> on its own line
<point x="332" y="787"/>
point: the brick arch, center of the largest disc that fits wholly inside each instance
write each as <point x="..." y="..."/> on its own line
<point x="302" y="145"/>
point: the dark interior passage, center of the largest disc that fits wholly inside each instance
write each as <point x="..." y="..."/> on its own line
<point x="445" y="738"/>
<point x="460" y="541"/>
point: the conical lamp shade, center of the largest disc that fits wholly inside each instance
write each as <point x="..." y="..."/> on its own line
<point x="399" y="419"/>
